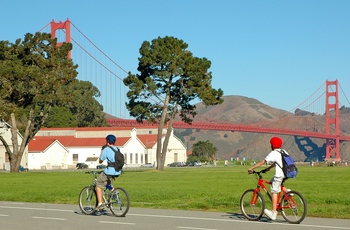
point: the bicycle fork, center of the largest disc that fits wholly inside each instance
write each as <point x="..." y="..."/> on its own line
<point x="90" y="192"/>
<point x="255" y="196"/>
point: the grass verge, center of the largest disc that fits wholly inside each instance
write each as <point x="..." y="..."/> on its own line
<point x="190" y="188"/>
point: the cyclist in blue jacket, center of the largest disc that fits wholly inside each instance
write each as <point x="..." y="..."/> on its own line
<point x="108" y="172"/>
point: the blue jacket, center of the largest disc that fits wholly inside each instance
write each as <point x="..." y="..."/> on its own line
<point x="108" y="154"/>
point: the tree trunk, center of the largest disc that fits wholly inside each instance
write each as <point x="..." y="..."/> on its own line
<point x="15" y="156"/>
<point x="160" y="154"/>
<point x="166" y="140"/>
<point x="160" y="162"/>
<point x="168" y="133"/>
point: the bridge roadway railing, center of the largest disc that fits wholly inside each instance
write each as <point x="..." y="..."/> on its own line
<point x="229" y="127"/>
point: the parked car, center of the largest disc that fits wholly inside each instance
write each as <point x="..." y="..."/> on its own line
<point x="147" y="165"/>
<point x="194" y="163"/>
<point x="101" y="166"/>
<point x="81" y="166"/>
<point x="175" y="164"/>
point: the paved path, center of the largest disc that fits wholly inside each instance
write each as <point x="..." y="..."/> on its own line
<point x="34" y="216"/>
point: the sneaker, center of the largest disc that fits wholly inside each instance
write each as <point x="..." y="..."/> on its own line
<point x="271" y="214"/>
<point x="100" y="207"/>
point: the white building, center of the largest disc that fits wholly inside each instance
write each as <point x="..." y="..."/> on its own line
<point x="47" y="154"/>
<point x="65" y="147"/>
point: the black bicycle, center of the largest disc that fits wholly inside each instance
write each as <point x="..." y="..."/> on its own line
<point x="116" y="199"/>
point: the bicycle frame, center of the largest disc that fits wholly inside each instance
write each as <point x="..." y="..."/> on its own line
<point x="261" y="185"/>
<point x="104" y="190"/>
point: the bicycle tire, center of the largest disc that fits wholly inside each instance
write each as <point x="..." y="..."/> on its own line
<point x="88" y="200"/>
<point x="252" y="210"/>
<point x="294" y="207"/>
<point x="119" y="202"/>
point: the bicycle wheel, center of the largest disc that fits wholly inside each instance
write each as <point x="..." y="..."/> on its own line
<point x="88" y="200"/>
<point x="119" y="202"/>
<point x="293" y="207"/>
<point x="252" y="204"/>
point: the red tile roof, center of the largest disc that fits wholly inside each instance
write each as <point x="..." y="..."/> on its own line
<point x="88" y="128"/>
<point x="148" y="140"/>
<point x="40" y="143"/>
<point x="35" y="146"/>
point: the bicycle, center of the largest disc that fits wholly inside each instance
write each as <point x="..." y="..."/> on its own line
<point x="116" y="199"/>
<point x="291" y="204"/>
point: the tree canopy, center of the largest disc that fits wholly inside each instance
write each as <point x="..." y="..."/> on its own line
<point x="170" y="79"/>
<point x="204" y="150"/>
<point x="83" y="110"/>
<point x="34" y="77"/>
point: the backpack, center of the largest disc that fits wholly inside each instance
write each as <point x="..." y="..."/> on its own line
<point x="119" y="160"/>
<point x="289" y="168"/>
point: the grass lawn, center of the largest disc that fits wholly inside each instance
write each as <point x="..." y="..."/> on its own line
<point x="190" y="188"/>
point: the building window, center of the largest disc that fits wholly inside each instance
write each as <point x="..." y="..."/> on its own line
<point x="130" y="158"/>
<point x="176" y="157"/>
<point x="126" y="158"/>
<point x="75" y="158"/>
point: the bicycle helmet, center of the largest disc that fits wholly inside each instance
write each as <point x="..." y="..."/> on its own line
<point x="276" y="142"/>
<point x="111" y="139"/>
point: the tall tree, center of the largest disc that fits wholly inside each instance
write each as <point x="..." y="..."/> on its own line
<point x="34" y="74"/>
<point x="83" y="110"/>
<point x="60" y="117"/>
<point x="88" y="110"/>
<point x="170" y="79"/>
<point x="204" y="149"/>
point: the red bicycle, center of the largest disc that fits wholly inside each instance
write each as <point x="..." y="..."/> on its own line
<point x="291" y="204"/>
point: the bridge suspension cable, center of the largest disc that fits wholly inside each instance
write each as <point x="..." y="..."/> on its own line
<point x="98" y="68"/>
<point x="107" y="80"/>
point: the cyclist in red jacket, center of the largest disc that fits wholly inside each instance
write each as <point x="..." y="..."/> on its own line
<point x="273" y="158"/>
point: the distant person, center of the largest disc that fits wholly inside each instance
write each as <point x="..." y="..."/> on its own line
<point x="273" y="158"/>
<point x="109" y="172"/>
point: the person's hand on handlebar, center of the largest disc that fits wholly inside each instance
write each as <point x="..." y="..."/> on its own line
<point x="251" y="170"/>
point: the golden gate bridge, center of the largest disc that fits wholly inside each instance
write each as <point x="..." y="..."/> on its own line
<point x="98" y="68"/>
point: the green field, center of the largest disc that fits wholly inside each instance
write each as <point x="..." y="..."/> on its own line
<point x="326" y="189"/>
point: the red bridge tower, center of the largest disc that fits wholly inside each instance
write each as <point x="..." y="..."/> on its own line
<point x="61" y="26"/>
<point x="332" y="122"/>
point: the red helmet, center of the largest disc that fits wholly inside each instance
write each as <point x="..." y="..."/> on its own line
<point x="276" y="142"/>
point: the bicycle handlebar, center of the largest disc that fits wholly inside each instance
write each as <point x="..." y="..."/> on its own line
<point x="258" y="172"/>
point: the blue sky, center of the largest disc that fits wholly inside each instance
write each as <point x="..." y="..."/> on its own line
<point x="278" y="52"/>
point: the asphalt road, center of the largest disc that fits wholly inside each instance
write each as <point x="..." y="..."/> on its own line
<point x="34" y="216"/>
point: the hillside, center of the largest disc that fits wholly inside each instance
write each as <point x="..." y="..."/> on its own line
<point x="244" y="110"/>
